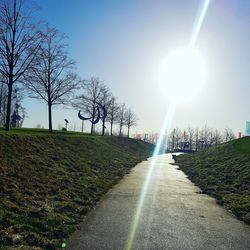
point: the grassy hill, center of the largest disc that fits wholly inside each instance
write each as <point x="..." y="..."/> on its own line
<point x="224" y="173"/>
<point x="49" y="182"/>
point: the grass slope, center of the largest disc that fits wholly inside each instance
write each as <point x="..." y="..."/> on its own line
<point x="49" y="182"/>
<point x="224" y="173"/>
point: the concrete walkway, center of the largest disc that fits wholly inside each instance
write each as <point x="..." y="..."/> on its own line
<point x="174" y="216"/>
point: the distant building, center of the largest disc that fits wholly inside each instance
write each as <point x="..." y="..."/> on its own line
<point x="148" y="137"/>
<point x="248" y="128"/>
<point x="138" y="136"/>
<point x="239" y="135"/>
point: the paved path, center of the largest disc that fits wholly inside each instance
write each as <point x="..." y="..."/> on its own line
<point x="174" y="216"/>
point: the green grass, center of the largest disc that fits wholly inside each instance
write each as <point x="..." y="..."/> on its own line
<point x="224" y="173"/>
<point x="40" y="131"/>
<point x="49" y="182"/>
<point x="242" y="145"/>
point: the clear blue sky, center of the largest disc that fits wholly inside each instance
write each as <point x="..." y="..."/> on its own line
<point x="124" y="41"/>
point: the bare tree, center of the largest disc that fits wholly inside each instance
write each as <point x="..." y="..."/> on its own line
<point x="51" y="78"/>
<point x="228" y="135"/>
<point x="112" y="113"/>
<point x="217" y="137"/>
<point x="130" y="119"/>
<point x="19" y="42"/>
<point x="18" y="112"/>
<point x="121" y="117"/>
<point x="197" y="139"/>
<point x="177" y="138"/>
<point x="105" y="102"/>
<point x="3" y="102"/>
<point x="185" y="142"/>
<point x="205" y="136"/>
<point x="191" y="134"/>
<point x="171" y="140"/>
<point x="92" y="93"/>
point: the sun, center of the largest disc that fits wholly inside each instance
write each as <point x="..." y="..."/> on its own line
<point x="183" y="74"/>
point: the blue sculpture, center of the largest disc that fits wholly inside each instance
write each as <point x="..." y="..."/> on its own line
<point x="100" y="112"/>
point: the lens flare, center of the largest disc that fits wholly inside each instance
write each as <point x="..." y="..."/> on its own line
<point x="182" y="75"/>
<point x="162" y="141"/>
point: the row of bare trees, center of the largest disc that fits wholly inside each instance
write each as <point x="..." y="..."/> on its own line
<point x="94" y="92"/>
<point x="33" y="57"/>
<point x="197" y="139"/>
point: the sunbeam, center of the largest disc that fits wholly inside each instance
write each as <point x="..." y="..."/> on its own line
<point x="160" y="148"/>
<point x="197" y="25"/>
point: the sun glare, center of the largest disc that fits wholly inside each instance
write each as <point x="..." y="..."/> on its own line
<point x="182" y="74"/>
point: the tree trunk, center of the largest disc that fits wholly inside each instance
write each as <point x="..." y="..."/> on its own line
<point x="128" y="131"/>
<point x="120" y="132"/>
<point x="103" y="126"/>
<point x="1" y="94"/>
<point x="111" y="128"/>
<point x="92" y="128"/>
<point x="7" y="125"/>
<point x="173" y="140"/>
<point x="4" y="112"/>
<point x="1" y="104"/>
<point x="50" y="116"/>
<point x="92" y="120"/>
<point x="82" y="125"/>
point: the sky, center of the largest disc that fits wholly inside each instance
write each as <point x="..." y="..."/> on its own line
<point x="124" y="42"/>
